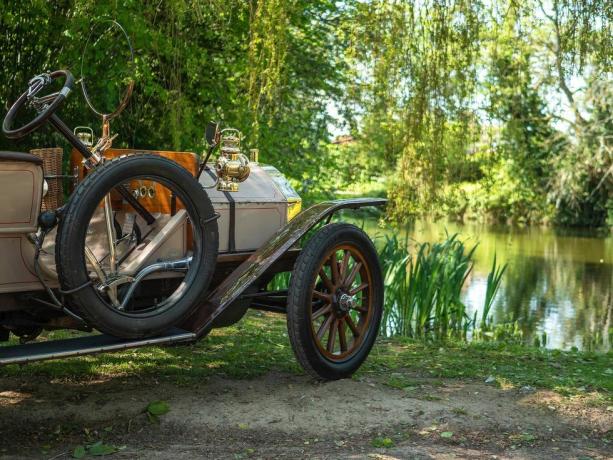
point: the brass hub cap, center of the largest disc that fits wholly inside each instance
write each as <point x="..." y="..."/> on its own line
<point x="341" y="303"/>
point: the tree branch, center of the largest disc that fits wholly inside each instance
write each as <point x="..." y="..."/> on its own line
<point x="558" y="52"/>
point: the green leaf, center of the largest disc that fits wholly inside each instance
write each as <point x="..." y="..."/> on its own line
<point x="383" y="442"/>
<point x="447" y="434"/>
<point x="79" y="452"/>
<point x="100" y="449"/>
<point x="158" y="408"/>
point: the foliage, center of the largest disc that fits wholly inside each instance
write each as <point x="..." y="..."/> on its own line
<point x="413" y="72"/>
<point x="97" y="449"/>
<point x="582" y="179"/>
<point x="383" y="442"/>
<point x="490" y="110"/>
<point x="195" y="61"/>
<point x="494" y="278"/>
<point x="482" y="109"/>
<point x="155" y="409"/>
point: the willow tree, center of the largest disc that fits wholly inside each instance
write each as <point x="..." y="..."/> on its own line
<point x="416" y="71"/>
<point x="579" y="43"/>
<point x="439" y="83"/>
<point x="295" y="68"/>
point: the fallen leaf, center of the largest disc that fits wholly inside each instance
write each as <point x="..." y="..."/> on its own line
<point x="100" y="449"/>
<point x="79" y="452"/>
<point x="158" y="408"/>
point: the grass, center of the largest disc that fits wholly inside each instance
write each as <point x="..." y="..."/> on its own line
<point x="259" y="344"/>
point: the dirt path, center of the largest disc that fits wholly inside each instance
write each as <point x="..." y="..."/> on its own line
<point x="283" y="416"/>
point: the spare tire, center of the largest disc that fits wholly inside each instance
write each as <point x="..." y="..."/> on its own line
<point x="95" y="292"/>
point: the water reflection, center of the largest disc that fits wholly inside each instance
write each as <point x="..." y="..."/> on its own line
<point x="558" y="284"/>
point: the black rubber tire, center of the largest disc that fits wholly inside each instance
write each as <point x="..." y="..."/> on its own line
<point x="301" y="284"/>
<point x="70" y="259"/>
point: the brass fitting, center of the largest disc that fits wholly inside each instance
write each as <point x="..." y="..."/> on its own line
<point x="231" y="171"/>
<point x="232" y="166"/>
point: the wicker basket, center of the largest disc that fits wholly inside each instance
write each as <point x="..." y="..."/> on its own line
<point x="52" y="168"/>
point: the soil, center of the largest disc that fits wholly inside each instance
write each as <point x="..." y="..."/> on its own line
<point x="289" y="416"/>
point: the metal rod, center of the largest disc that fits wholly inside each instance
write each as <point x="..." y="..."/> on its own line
<point x="175" y="265"/>
<point x="282" y="293"/>
<point x="267" y="307"/>
<point x="65" y="131"/>
<point x="110" y="234"/>
<point x="91" y="258"/>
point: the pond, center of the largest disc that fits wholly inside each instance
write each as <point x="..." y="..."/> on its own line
<point x="558" y="282"/>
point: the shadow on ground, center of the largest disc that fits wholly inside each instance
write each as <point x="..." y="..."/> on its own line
<point x="282" y="415"/>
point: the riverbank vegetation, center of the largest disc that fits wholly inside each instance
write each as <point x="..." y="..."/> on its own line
<point x="477" y="110"/>
<point x="423" y="292"/>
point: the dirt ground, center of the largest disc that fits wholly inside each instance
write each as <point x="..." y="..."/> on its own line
<point x="287" y="416"/>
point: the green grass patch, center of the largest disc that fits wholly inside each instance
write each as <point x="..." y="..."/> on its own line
<point x="383" y="442"/>
<point x="259" y="344"/>
<point x="569" y="373"/>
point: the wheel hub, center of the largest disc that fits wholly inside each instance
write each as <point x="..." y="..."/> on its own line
<point x="345" y="303"/>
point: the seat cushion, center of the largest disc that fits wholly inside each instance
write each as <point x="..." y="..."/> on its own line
<point x="20" y="156"/>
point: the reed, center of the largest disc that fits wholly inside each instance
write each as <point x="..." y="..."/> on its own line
<point x="422" y="289"/>
<point x="494" y="278"/>
<point x="423" y="285"/>
<point x="279" y="282"/>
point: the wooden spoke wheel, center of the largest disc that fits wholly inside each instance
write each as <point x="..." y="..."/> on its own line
<point x="341" y="303"/>
<point x="335" y="301"/>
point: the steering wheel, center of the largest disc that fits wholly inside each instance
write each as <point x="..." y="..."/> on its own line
<point x="44" y="105"/>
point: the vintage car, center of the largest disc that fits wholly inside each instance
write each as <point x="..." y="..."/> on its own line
<point x="159" y="247"/>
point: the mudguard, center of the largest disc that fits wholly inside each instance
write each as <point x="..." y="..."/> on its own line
<point x="257" y="263"/>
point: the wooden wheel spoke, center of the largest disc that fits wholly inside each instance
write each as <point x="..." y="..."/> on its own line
<point x="326" y="280"/>
<point x="321" y="296"/>
<point x="341" y="335"/>
<point x="360" y="309"/>
<point x="322" y="311"/>
<point x="345" y="264"/>
<point x="354" y="272"/>
<point x="334" y="266"/>
<point x="332" y="336"/>
<point x="352" y="326"/>
<point x="324" y="326"/>
<point x="339" y="323"/>
<point x="361" y="287"/>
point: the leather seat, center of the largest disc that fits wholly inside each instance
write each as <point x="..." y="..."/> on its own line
<point x="20" y="156"/>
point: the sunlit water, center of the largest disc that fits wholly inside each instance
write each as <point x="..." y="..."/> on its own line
<point x="557" y="286"/>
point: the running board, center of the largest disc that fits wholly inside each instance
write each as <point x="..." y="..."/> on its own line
<point x="54" y="349"/>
